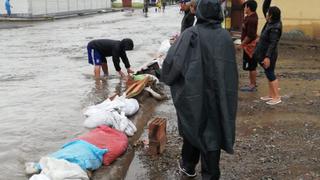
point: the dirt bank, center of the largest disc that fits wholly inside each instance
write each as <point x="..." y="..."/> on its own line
<point x="272" y="142"/>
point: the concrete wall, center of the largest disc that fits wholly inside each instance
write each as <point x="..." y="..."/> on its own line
<point x="52" y="7"/>
<point x="298" y="15"/>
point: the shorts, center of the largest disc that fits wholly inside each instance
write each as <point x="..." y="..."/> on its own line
<point x="95" y="57"/>
<point x="249" y="64"/>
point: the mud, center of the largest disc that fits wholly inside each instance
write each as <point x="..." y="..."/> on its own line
<point x="272" y="142"/>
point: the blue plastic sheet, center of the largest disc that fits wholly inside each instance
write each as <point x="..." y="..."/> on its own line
<point x="86" y="155"/>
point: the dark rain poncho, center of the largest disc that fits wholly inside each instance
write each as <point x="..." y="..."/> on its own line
<point x="201" y="70"/>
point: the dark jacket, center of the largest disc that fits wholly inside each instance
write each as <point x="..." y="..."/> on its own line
<point x="114" y="48"/>
<point x="187" y="21"/>
<point x="201" y="70"/>
<point x="269" y="38"/>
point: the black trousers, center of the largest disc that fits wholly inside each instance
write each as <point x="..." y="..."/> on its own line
<point x="209" y="160"/>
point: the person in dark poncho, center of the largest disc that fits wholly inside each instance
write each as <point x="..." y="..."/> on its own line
<point x="201" y="70"/>
<point x="266" y="52"/>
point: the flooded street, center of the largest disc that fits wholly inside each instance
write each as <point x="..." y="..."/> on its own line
<point x="45" y="80"/>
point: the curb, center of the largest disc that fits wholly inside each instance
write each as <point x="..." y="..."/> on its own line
<point x="119" y="168"/>
<point x="53" y="17"/>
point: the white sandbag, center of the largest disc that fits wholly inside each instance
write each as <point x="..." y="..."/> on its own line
<point x="59" y="169"/>
<point x="119" y="122"/>
<point x="164" y="47"/>
<point x="117" y="103"/>
<point x="39" y="177"/>
<point x="100" y="117"/>
<point x="130" y="129"/>
<point x="123" y="124"/>
<point x="131" y="107"/>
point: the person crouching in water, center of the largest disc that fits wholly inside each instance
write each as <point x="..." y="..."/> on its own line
<point x="201" y="70"/>
<point x="99" y="49"/>
<point x="266" y="52"/>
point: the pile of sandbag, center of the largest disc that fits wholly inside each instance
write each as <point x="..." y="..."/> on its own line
<point x="113" y="113"/>
<point x="88" y="152"/>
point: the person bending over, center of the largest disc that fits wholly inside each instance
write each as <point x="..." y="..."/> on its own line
<point x="99" y="49"/>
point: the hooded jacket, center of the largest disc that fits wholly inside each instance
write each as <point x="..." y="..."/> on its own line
<point x="269" y="38"/>
<point x="201" y="70"/>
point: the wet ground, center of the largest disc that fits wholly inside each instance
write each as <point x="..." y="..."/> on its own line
<point x="46" y="82"/>
<point x="272" y="142"/>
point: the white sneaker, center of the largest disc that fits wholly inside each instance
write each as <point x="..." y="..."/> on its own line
<point x="274" y="101"/>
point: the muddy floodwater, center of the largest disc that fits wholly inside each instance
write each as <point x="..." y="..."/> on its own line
<point x="45" y="80"/>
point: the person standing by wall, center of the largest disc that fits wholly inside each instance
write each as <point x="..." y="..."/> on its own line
<point x="8" y="7"/>
<point x="99" y="49"/>
<point x="201" y="70"/>
<point x="267" y="50"/>
<point x="248" y="38"/>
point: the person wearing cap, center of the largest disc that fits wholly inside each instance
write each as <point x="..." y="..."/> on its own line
<point x="201" y="70"/>
<point x="99" y="49"/>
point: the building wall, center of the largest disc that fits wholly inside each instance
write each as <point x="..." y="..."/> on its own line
<point x="52" y="7"/>
<point x="297" y="15"/>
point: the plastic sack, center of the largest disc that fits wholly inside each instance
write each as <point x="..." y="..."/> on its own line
<point x="59" y="169"/>
<point x="131" y="107"/>
<point x="97" y="118"/>
<point x="164" y="47"/>
<point x="105" y="137"/>
<point x="39" y="177"/>
<point x="86" y="155"/>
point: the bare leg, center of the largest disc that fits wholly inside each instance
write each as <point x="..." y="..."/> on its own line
<point x="253" y="78"/>
<point x="270" y="90"/>
<point x="105" y="69"/>
<point x="97" y="71"/>
<point x="275" y="89"/>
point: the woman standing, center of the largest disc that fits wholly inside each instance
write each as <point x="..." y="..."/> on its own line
<point x="266" y="52"/>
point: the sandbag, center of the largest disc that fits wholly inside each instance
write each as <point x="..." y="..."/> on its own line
<point x="131" y="107"/>
<point x="86" y="155"/>
<point x="39" y="177"/>
<point x="59" y="169"/>
<point x="105" y="137"/>
<point x="98" y="117"/>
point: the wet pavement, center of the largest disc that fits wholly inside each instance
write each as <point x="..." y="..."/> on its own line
<point x="45" y="80"/>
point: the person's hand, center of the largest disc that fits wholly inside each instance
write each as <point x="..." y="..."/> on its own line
<point x="266" y="63"/>
<point x="121" y="74"/>
<point x="129" y="71"/>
